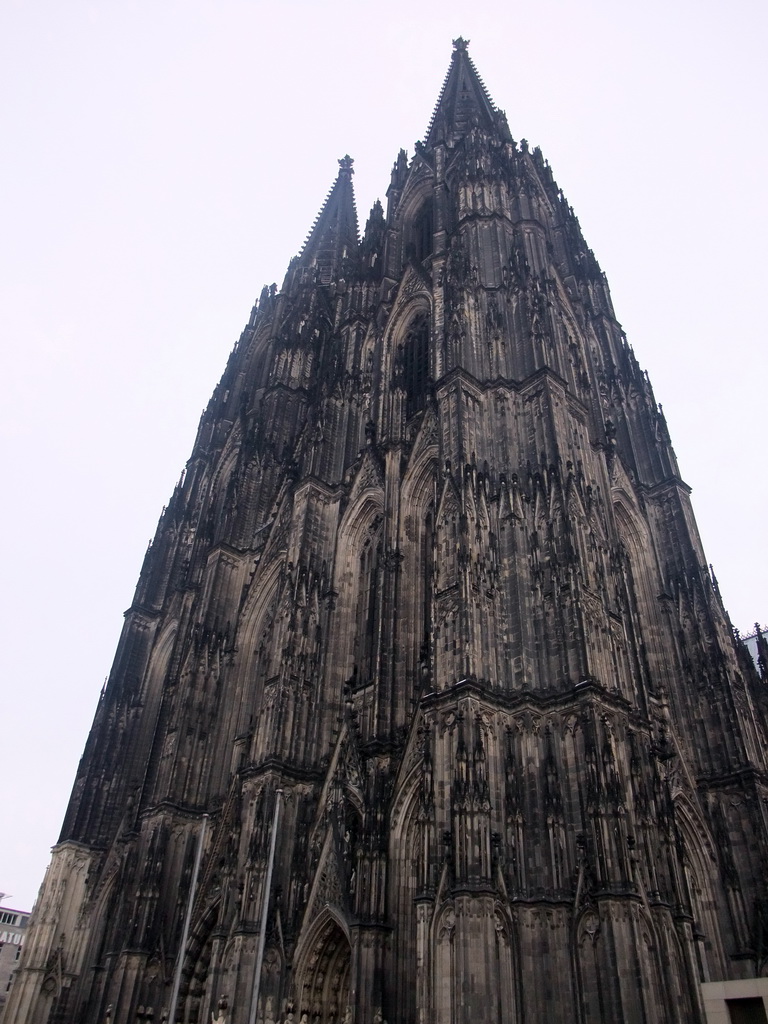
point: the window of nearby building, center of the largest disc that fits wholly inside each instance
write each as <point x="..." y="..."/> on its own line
<point x="746" y="1011"/>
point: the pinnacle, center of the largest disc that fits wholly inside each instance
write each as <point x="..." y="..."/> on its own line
<point x="463" y="101"/>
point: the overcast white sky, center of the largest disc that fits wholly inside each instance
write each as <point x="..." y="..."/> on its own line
<point x="163" y="159"/>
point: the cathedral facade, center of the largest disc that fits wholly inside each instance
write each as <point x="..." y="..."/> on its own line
<point x="426" y="709"/>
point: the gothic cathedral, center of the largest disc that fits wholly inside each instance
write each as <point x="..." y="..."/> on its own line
<point x="426" y="709"/>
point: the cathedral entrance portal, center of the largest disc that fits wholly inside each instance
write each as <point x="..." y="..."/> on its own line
<point x="324" y="995"/>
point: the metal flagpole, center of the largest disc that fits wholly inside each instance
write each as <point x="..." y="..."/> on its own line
<point x="187" y="920"/>
<point x="264" y="912"/>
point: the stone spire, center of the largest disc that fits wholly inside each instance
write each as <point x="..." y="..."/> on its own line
<point x="463" y="102"/>
<point x="334" y="235"/>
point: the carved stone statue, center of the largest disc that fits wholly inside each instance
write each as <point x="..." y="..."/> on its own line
<point x="221" y="1017"/>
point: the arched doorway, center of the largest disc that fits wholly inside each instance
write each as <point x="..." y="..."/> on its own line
<point x="324" y="982"/>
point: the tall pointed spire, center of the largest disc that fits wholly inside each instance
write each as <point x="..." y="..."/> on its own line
<point x="334" y="234"/>
<point x="463" y="100"/>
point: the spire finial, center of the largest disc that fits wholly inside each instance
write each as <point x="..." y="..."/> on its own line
<point x="345" y="164"/>
<point x="460" y="45"/>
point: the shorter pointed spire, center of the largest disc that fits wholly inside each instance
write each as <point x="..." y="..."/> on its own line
<point x="334" y="235"/>
<point x="463" y="102"/>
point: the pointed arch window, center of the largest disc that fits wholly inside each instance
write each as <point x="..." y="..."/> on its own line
<point x="428" y="569"/>
<point x="415" y="364"/>
<point x="366" y="613"/>
<point x="422" y="233"/>
<point x="427" y="562"/>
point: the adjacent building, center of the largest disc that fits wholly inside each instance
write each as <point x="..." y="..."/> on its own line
<point x="13" y="928"/>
